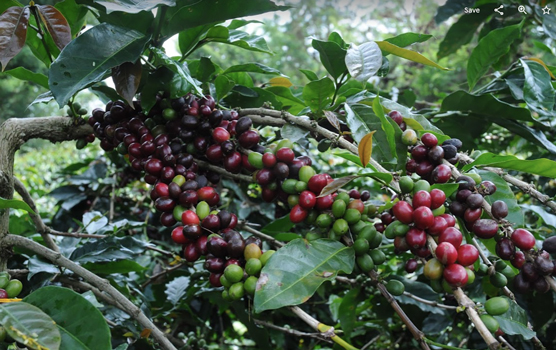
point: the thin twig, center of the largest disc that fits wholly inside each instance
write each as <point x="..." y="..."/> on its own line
<point x="162" y="273"/>
<point x="100" y="283"/>
<point x="370" y="342"/>
<point x="293" y="332"/>
<point x="430" y="302"/>
<point x="259" y="234"/>
<point x="223" y="172"/>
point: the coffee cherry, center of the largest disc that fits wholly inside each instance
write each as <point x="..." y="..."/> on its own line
<point x="446" y="253"/>
<point x="429" y="140"/>
<point x="485" y="228"/>
<point x="325" y="202"/>
<point x="421" y="199"/>
<point x="521" y="285"/>
<point x="409" y="137"/>
<point x="451" y="235"/>
<point x="433" y="269"/>
<point x="438" y="227"/>
<point x="518" y="260"/>
<point x="487" y="187"/>
<point x="499" y="209"/>
<point x="411" y="265"/>
<point x="472" y="215"/>
<point x="396" y="116"/>
<point x="269" y="160"/>
<point x="178" y="237"/>
<point x="285" y="155"/>
<point x="416" y="238"/>
<point x="307" y="200"/>
<point x="436" y="154"/>
<point x="450" y="220"/>
<point x="455" y="275"/>
<point x="424" y="168"/>
<point x="465" y="182"/>
<point x="298" y="214"/>
<point x="232" y="163"/>
<point x="419" y="153"/>
<point x="544" y="265"/>
<point x="249" y="139"/>
<point x="423" y="217"/>
<point x="189" y="217"/>
<point x="317" y="183"/>
<point x="243" y="124"/>
<point x="523" y="239"/>
<point x="403" y="211"/>
<point x="438" y="197"/>
<point x="467" y="254"/>
<point x="441" y="174"/>
<point x="505" y="249"/>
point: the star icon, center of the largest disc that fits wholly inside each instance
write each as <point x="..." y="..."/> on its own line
<point x="546" y="10"/>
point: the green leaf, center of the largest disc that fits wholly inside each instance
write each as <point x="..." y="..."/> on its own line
<point x="133" y="6"/>
<point x="293" y="274"/>
<point x="188" y="40"/>
<point x="75" y="14"/>
<point x="259" y="97"/>
<point x="223" y="86"/>
<point x="388" y="48"/>
<point x="94" y="221"/>
<point x="461" y="33"/>
<point x="485" y="105"/>
<point x="363" y="61"/>
<point x="504" y="193"/>
<point x="108" y="249"/>
<point x="547" y="218"/>
<point x="4" y="5"/>
<point x="407" y="39"/>
<point x="362" y="120"/>
<point x="188" y="14"/>
<point x="221" y="34"/>
<point x="514" y="322"/>
<point x="181" y="71"/>
<point x="293" y="133"/>
<point x="252" y="68"/>
<point x="350" y="157"/>
<point x="282" y="224"/>
<point x="489" y="50"/>
<point x="114" y="267"/>
<point x="312" y="76"/>
<point x="73" y="71"/>
<point x="347" y="311"/>
<point x="537" y="89"/>
<point x="28" y="324"/>
<point x="421" y="290"/>
<point x="318" y="94"/>
<point x="448" y="189"/>
<point x="12" y="33"/>
<point x="15" y="204"/>
<point x="176" y="289"/>
<point x="25" y="74"/>
<point x="75" y="315"/>
<point x="289" y="102"/>
<point x="541" y="166"/>
<point x="534" y="135"/>
<point x="450" y="8"/>
<point x="332" y="57"/>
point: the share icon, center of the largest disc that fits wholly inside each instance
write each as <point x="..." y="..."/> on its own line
<point x="498" y="10"/>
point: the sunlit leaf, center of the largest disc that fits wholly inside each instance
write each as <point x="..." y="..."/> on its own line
<point x="15" y="204"/>
<point x="280" y="81"/>
<point x="363" y="61"/>
<point x="387" y="47"/>
<point x="365" y="148"/>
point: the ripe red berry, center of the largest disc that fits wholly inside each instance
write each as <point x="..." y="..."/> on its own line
<point x="178" y="237"/>
<point x="249" y="138"/>
<point x="298" y="214"/>
<point x="438" y="227"/>
<point x="189" y="217"/>
<point x="396" y="116"/>
<point x="153" y="166"/>
<point x="429" y="140"/>
<point x="423" y="217"/>
<point x="455" y="275"/>
<point x="438" y="197"/>
<point x="523" y="239"/>
<point x="285" y="155"/>
<point x="403" y="211"/>
<point x="451" y="235"/>
<point x="518" y="260"/>
<point x="422" y="199"/>
<point x="162" y="189"/>
<point x="411" y="266"/>
<point x="416" y="238"/>
<point x="206" y="193"/>
<point x="214" y="153"/>
<point x="269" y="160"/>
<point x="190" y="253"/>
<point x="451" y="220"/>
<point x="307" y="200"/>
<point x="441" y="174"/>
<point x="220" y="135"/>
<point x="325" y="202"/>
<point x="485" y="228"/>
<point x="419" y="153"/>
<point x="232" y="163"/>
<point x="467" y="254"/>
<point x="446" y="253"/>
<point x="317" y="183"/>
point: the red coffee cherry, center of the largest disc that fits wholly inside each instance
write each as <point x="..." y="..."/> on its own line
<point x="467" y="254"/>
<point x="455" y="275"/>
<point x="423" y="217"/>
<point x="523" y="239"/>
<point x="429" y="140"/>
<point x="446" y="253"/>
<point x="403" y="211"/>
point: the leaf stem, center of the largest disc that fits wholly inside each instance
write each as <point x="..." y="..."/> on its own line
<point x="40" y="31"/>
<point x="431" y="342"/>
<point x="339" y="84"/>
<point x="161" y="13"/>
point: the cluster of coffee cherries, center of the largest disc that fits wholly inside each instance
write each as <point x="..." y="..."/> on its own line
<point x="427" y="156"/>
<point x="9" y="287"/>
<point x="425" y="216"/>
<point x="534" y="265"/>
<point x="238" y="281"/>
<point x="164" y="146"/>
<point x="495" y="306"/>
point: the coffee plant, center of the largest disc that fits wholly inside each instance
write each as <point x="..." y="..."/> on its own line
<point x="232" y="207"/>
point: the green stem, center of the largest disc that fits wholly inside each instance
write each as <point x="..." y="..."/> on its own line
<point x="431" y="342"/>
<point x="198" y="45"/>
<point x="339" y="84"/>
<point x="40" y="31"/>
<point x="161" y="13"/>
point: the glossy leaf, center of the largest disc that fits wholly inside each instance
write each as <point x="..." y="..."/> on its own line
<point x="349" y="157"/>
<point x="114" y="267"/>
<point x="293" y="274"/>
<point x="133" y="6"/>
<point x="388" y="48"/>
<point x="362" y="120"/>
<point x="489" y="50"/>
<point x="333" y="120"/>
<point x="289" y="102"/>
<point x="448" y="189"/>
<point x="318" y="94"/>
<point x="347" y="311"/>
<point x="535" y="135"/>
<point x="188" y="14"/>
<point x="56" y="24"/>
<point x="6" y="4"/>
<point x="223" y="86"/>
<point x="332" y="57"/>
<point x="537" y="89"/>
<point x="514" y="322"/>
<point x="80" y="320"/>
<point x="294" y="133"/>
<point x="547" y="218"/>
<point x="189" y="40"/>
<point x="541" y="62"/>
<point x="365" y="148"/>
<point x="221" y="34"/>
<point x="13" y="32"/>
<point x="176" y="289"/>
<point x="252" y="68"/>
<point x="450" y="8"/>
<point x="541" y="166"/>
<point x="461" y="33"/>
<point x="309" y="74"/>
<point x="25" y="74"/>
<point x="279" y="225"/>
<point x="126" y="79"/>
<point x="108" y="249"/>
<point x="504" y="193"/>
<point x="363" y="61"/>
<point x="181" y="71"/>
<point x="74" y="13"/>
<point x="29" y="325"/>
<point x="15" y="204"/>
<point x="73" y="71"/>
<point x="407" y="39"/>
